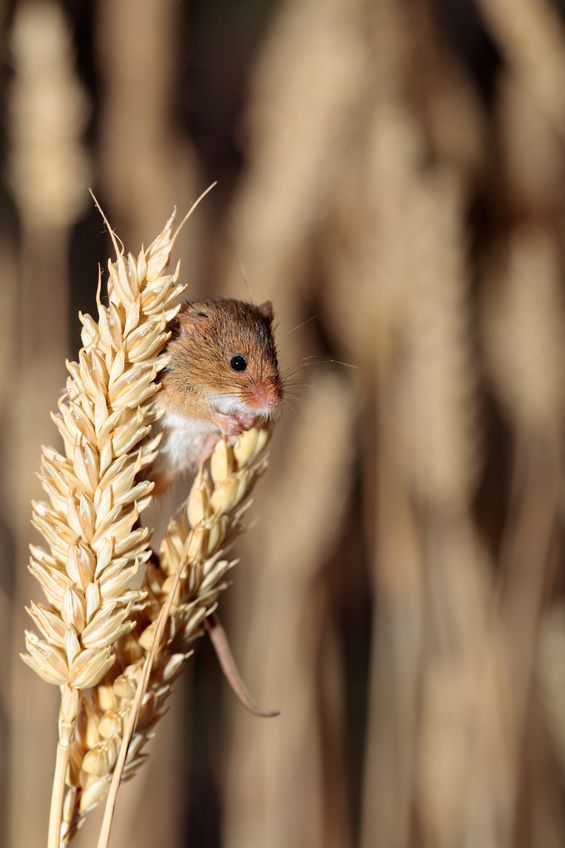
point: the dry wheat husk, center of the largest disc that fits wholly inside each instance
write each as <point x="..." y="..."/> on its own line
<point x="194" y="544"/>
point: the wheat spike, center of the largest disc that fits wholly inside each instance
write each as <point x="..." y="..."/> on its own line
<point x="194" y="545"/>
<point x="438" y="386"/>
<point x="90" y="523"/>
<point x="104" y="418"/>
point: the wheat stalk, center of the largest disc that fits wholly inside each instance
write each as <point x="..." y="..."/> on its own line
<point x="95" y="496"/>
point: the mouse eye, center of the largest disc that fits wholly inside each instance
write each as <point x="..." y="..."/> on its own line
<point x="238" y="363"/>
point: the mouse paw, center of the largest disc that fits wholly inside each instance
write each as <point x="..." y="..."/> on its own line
<point x="246" y="420"/>
<point x="230" y="426"/>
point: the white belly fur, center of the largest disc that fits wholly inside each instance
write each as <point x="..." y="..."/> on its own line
<point x="183" y="441"/>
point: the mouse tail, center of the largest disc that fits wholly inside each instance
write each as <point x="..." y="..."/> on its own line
<point x="222" y="647"/>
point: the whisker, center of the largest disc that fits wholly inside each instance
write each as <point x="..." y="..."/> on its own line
<point x="315" y="356"/>
<point x="297" y="369"/>
<point x="288" y="376"/>
<point x="298" y="326"/>
<point x="345" y="364"/>
<point x="295" y="391"/>
<point x="291" y="390"/>
<point x="292" y="385"/>
<point x="293" y="381"/>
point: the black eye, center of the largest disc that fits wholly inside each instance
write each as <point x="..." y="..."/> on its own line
<point x="238" y="363"/>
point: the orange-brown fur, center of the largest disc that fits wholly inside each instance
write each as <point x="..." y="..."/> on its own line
<point x="201" y="349"/>
<point x="199" y="379"/>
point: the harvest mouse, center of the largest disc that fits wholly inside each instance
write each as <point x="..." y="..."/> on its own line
<point x="222" y="378"/>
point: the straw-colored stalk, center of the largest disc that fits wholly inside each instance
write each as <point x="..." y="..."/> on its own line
<point x="91" y="523"/>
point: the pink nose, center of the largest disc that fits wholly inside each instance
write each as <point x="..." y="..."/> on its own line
<point x="265" y="396"/>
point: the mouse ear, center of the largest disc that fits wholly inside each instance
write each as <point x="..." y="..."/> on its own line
<point x="188" y="318"/>
<point x="266" y="310"/>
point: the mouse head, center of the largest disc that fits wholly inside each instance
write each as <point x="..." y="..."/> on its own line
<point x="224" y="351"/>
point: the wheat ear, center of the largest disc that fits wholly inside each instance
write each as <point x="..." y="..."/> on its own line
<point x="95" y="495"/>
<point x="185" y="580"/>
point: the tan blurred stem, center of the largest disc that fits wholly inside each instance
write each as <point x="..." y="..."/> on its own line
<point x="68" y="713"/>
<point x="395" y="649"/>
<point x="526" y="557"/>
<point x="304" y="89"/>
<point x="531" y="35"/>
<point x="288" y="647"/>
<point x="146" y="167"/>
<point x="44" y="280"/>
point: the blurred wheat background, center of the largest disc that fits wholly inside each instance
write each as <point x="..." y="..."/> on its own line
<point x="392" y="175"/>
